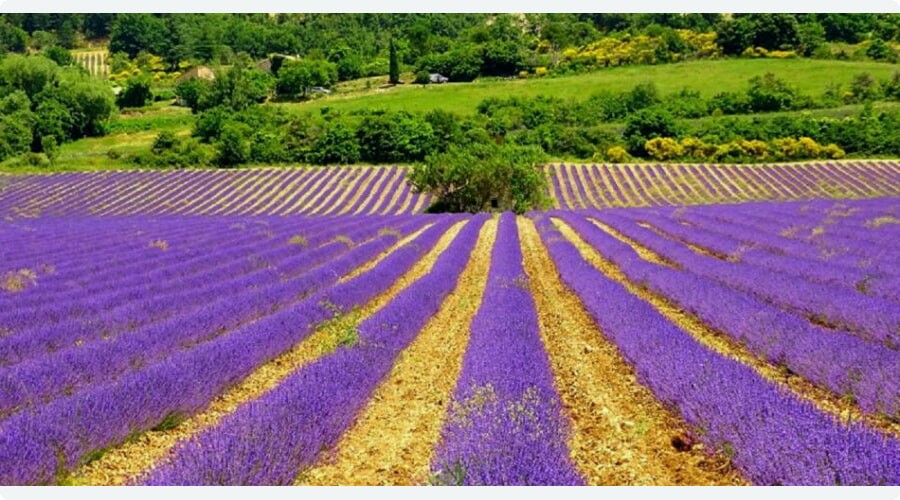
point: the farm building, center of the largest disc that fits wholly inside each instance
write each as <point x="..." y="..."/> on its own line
<point x="201" y="72"/>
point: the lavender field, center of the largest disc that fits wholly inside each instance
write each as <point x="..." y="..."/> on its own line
<point x="713" y="325"/>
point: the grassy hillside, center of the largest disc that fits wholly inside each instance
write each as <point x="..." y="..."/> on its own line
<point x="708" y="77"/>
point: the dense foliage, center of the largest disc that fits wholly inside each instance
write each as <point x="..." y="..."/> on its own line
<point x="43" y="105"/>
<point x="462" y="46"/>
<point x="484" y="177"/>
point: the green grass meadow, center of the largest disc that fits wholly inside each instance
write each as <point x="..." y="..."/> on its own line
<point x="812" y="76"/>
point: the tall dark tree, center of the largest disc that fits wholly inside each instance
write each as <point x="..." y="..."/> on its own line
<point x="394" y="64"/>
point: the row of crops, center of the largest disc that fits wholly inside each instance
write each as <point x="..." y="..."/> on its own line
<point x="384" y="191"/>
<point x="721" y="344"/>
<point x="95" y="62"/>
<point x="336" y="191"/>
<point x="603" y="186"/>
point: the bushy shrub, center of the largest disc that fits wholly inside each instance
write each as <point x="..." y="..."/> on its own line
<point x="193" y="93"/>
<point x="295" y="78"/>
<point x="136" y="94"/>
<point x="769" y="93"/>
<point x="864" y="88"/>
<point x="483" y="177"/>
<point x="394" y="137"/>
<point x="423" y="77"/>
<point x="618" y="154"/>
<point x="697" y="149"/>
<point x="892" y="87"/>
<point x="664" y="148"/>
<point x="233" y="147"/>
<point x="169" y="150"/>
<point x="337" y="144"/>
<point x="648" y="124"/>
<point x="59" y="55"/>
<point x="730" y="103"/>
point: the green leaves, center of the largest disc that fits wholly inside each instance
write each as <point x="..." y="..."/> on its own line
<point x="483" y="177"/>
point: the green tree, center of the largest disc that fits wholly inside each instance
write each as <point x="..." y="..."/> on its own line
<point x="337" y="145"/>
<point x="59" y="55"/>
<point x="892" y="87"/>
<point x="864" y="88"/>
<point x="132" y="33"/>
<point x="483" y="177"/>
<point x="396" y="137"/>
<point x="15" y="136"/>
<point x="233" y="146"/>
<point x="29" y="74"/>
<point x="811" y="36"/>
<point x="296" y="77"/>
<point x="879" y="51"/>
<point x="12" y="38"/>
<point x="239" y="88"/>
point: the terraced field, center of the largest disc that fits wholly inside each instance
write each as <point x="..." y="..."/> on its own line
<point x="310" y="326"/>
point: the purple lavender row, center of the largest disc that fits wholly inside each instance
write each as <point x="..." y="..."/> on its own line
<point x="71" y="295"/>
<point x="353" y="186"/>
<point x="161" y="192"/>
<point x="594" y="190"/>
<point x="840" y="362"/>
<point x="732" y="242"/>
<point x="32" y="308"/>
<point x="506" y="424"/>
<point x="369" y="196"/>
<point x="845" y="247"/>
<point x="773" y="437"/>
<point x="107" y="247"/>
<point x="871" y="317"/>
<point x="270" y="440"/>
<point x="389" y="196"/>
<point x="195" y="263"/>
<point x="842" y="227"/>
<point x="769" y="238"/>
<point x="36" y="446"/>
<point x="39" y="380"/>
<point x="848" y="251"/>
<point x="301" y="191"/>
<point x="326" y="192"/>
<point x="557" y="189"/>
<point x="616" y="191"/>
<point x="751" y="248"/>
<point x="146" y="313"/>
<point x="569" y="184"/>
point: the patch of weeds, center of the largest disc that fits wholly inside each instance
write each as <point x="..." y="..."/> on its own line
<point x="160" y="244"/>
<point x="881" y="221"/>
<point x="864" y="286"/>
<point x="455" y="475"/>
<point x="386" y="231"/>
<point x="343" y="239"/>
<point x="16" y="281"/>
<point x="169" y="422"/>
<point x="299" y="240"/>
<point x="641" y="427"/>
<point x="343" y="328"/>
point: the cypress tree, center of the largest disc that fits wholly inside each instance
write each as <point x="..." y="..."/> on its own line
<point x="395" y="65"/>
